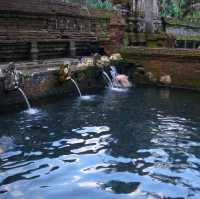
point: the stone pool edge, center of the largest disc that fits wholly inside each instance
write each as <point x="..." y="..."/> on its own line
<point x="164" y="67"/>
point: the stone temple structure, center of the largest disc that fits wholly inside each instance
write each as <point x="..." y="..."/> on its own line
<point x="184" y="33"/>
<point x="147" y="15"/>
<point x="42" y="29"/>
<point x="145" y="26"/>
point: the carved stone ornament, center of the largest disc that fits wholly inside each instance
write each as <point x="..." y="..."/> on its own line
<point x="11" y="78"/>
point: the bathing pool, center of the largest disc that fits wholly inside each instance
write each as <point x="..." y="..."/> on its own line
<point x="141" y="143"/>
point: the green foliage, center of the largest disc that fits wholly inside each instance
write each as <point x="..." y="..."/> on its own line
<point x="98" y="4"/>
<point x="179" y="8"/>
<point x="168" y="8"/>
<point x="171" y="8"/>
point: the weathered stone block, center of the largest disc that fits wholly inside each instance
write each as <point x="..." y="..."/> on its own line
<point x="172" y="67"/>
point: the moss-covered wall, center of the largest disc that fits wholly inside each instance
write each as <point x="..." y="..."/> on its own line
<point x="166" y="67"/>
<point x="40" y="82"/>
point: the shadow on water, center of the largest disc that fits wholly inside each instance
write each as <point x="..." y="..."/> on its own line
<point x="138" y="144"/>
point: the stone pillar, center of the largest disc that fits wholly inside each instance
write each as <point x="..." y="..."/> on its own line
<point x="148" y="18"/>
<point x="152" y="16"/>
<point x="72" y="48"/>
<point x="141" y="7"/>
<point x="138" y="7"/>
<point x="34" y="50"/>
<point x="156" y="10"/>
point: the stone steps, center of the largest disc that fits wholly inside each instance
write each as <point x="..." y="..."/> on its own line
<point x="42" y="7"/>
<point x="80" y="36"/>
<point x="53" y="49"/>
<point x="14" y="51"/>
<point x="29" y="35"/>
<point x="23" y="35"/>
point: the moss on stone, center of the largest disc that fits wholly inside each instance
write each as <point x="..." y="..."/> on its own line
<point x="181" y="81"/>
<point x="188" y="37"/>
<point x="131" y="53"/>
<point x="126" y="40"/>
<point x="178" y="69"/>
<point x="184" y="23"/>
<point x="151" y="44"/>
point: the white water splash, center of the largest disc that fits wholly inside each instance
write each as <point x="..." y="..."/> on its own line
<point x="32" y="111"/>
<point x="108" y="78"/>
<point x="87" y="97"/>
<point x="76" y="85"/>
<point x="117" y="89"/>
<point x="25" y="97"/>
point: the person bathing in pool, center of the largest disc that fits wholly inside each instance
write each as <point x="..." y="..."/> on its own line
<point x="122" y="80"/>
<point x="119" y="80"/>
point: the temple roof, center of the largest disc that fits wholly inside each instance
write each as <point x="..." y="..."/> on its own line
<point x="42" y="7"/>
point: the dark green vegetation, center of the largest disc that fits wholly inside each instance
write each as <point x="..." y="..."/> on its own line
<point x="168" y="8"/>
<point x="180" y="8"/>
<point x="93" y="3"/>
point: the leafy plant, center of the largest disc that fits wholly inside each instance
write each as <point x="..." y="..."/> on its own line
<point x="180" y="8"/>
<point x="98" y="4"/>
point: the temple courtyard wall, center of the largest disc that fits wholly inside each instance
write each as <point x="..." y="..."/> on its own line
<point x="167" y="67"/>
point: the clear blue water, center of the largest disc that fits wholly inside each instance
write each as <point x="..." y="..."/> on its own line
<point x="144" y="143"/>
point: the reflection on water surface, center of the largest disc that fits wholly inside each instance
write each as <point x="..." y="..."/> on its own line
<point x="142" y="143"/>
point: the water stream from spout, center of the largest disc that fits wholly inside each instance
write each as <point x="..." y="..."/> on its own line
<point x="108" y="78"/>
<point x="76" y="85"/>
<point x="25" y="97"/>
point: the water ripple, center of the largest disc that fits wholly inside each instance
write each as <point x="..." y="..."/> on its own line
<point x="137" y="144"/>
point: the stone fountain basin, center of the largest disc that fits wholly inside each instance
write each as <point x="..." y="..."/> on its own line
<point x="40" y="80"/>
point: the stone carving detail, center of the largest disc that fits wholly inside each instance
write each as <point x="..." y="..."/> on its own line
<point x="146" y="13"/>
<point x="140" y="24"/>
<point x="64" y="73"/>
<point x="157" y="27"/>
<point x="151" y="77"/>
<point x="10" y="78"/>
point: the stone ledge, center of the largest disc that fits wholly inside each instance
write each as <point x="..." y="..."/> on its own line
<point x="176" y="68"/>
<point x="179" y="53"/>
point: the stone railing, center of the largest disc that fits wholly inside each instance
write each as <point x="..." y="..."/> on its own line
<point x="187" y="22"/>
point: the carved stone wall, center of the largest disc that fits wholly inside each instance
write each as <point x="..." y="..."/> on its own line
<point x="138" y="7"/>
<point x="30" y="22"/>
<point x="179" y="66"/>
<point x="187" y="33"/>
<point x="146" y="14"/>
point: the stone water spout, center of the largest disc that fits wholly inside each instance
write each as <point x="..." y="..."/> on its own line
<point x="66" y="71"/>
<point x="11" y="81"/>
<point x="10" y="78"/>
<point x="65" y="74"/>
<point x="114" y="80"/>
